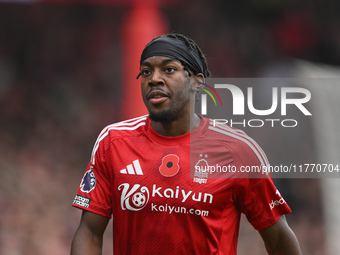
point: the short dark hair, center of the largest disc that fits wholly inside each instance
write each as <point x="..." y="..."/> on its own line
<point x="193" y="45"/>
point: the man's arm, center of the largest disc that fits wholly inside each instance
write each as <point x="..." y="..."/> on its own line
<point x="88" y="239"/>
<point x="279" y="239"/>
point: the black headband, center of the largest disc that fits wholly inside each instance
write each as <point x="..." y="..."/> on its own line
<point x="175" y="49"/>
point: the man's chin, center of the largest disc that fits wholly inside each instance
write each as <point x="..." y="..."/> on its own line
<point x="162" y="116"/>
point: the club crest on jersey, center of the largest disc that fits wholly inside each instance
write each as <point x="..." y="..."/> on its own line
<point x="88" y="182"/>
<point x="134" y="199"/>
<point x="170" y="165"/>
<point x="201" y="175"/>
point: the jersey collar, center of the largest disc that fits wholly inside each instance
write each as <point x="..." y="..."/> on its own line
<point x="177" y="140"/>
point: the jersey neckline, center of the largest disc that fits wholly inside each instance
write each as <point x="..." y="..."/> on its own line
<point x="177" y="140"/>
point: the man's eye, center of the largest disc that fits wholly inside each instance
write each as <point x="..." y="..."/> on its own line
<point x="145" y="72"/>
<point x="170" y="69"/>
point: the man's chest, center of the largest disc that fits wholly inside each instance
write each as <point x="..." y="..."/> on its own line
<point x="170" y="179"/>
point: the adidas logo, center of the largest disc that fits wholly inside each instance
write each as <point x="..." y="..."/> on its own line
<point x="133" y="168"/>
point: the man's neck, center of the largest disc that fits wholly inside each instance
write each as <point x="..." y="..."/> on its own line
<point x="176" y="127"/>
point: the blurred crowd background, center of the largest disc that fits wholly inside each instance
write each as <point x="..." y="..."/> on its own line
<point x="61" y="82"/>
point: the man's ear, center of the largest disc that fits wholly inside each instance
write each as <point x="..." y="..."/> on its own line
<point x="198" y="81"/>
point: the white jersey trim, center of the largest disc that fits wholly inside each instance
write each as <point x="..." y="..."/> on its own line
<point x="131" y="124"/>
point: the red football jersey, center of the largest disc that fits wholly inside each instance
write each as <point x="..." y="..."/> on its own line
<point x="161" y="199"/>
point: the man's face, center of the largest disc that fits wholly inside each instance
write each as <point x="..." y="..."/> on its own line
<point x="165" y="88"/>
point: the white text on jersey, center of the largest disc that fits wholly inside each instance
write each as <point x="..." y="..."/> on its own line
<point x="170" y="193"/>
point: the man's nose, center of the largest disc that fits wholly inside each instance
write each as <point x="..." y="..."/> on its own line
<point x="156" y="77"/>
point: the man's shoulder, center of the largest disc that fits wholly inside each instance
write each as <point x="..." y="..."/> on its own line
<point x="236" y="140"/>
<point x="126" y="128"/>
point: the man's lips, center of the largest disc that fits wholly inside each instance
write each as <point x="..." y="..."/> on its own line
<point x="157" y="96"/>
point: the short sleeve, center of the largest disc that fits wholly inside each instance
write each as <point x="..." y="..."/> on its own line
<point x="260" y="201"/>
<point x="94" y="192"/>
